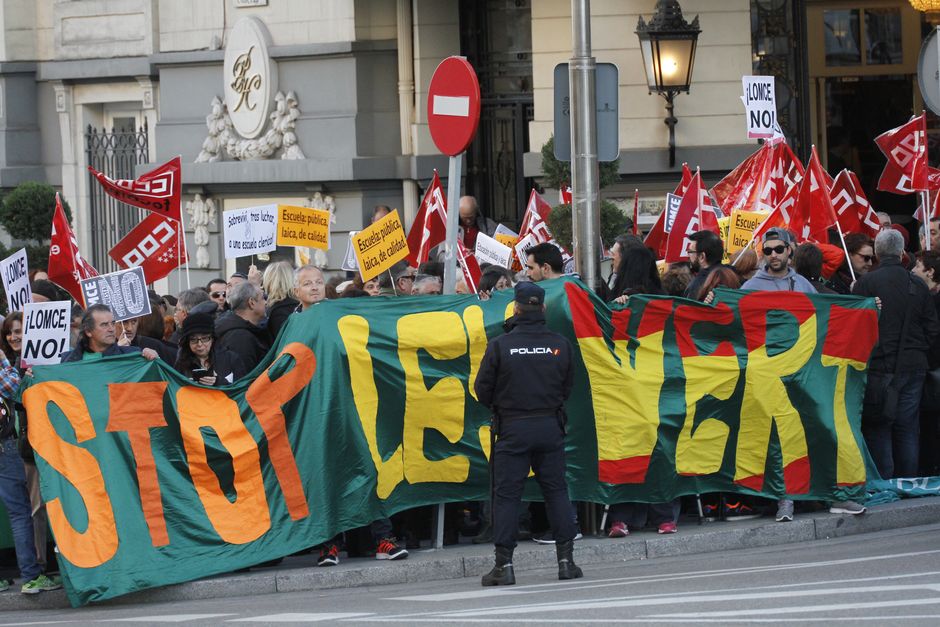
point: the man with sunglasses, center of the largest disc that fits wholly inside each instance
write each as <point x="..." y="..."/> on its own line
<point x="776" y="275"/>
<point x="217" y="289"/>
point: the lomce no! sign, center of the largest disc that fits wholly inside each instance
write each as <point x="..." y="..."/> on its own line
<point x="45" y="332"/>
<point x="15" y="271"/>
<point x="125" y="292"/>
<point x="760" y="104"/>
<point x="380" y="246"/>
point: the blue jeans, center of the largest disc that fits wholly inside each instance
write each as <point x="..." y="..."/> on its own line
<point x="894" y="443"/>
<point x="16" y="499"/>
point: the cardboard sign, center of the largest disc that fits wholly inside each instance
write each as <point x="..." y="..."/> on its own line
<point x="380" y="246"/>
<point x="15" y="270"/>
<point x="672" y="208"/>
<point x="249" y="231"/>
<point x="124" y="291"/>
<point x="303" y="226"/>
<point x="488" y="250"/>
<point x="349" y="259"/>
<point x="760" y="103"/>
<point x="741" y="229"/>
<point x="506" y="236"/>
<point x="45" y="332"/>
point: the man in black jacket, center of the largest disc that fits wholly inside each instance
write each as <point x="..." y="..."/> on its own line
<point x="525" y="378"/>
<point x="900" y="355"/>
<point x="239" y="330"/>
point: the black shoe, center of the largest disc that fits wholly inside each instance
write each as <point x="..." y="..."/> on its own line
<point x="567" y="569"/>
<point x="502" y="574"/>
<point x="329" y="555"/>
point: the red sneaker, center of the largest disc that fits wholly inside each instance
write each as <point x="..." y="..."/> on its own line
<point x="618" y="530"/>
<point x="668" y="527"/>
<point x="329" y="555"/>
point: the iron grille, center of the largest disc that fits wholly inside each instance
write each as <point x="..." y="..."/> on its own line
<point x="116" y="153"/>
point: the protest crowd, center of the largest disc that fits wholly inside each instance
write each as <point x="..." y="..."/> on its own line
<point x="808" y="240"/>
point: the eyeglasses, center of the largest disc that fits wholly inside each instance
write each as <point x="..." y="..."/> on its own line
<point x="202" y="339"/>
<point x="865" y="258"/>
<point x="774" y="249"/>
<point x="217" y="294"/>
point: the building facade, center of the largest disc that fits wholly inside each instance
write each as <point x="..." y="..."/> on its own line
<point x="323" y="102"/>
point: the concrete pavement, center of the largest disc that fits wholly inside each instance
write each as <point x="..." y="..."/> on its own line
<point x="467" y="560"/>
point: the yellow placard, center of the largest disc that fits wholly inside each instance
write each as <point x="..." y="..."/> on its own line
<point x="303" y="226"/>
<point x="380" y="246"/>
<point x="742" y="228"/>
<point x="506" y="240"/>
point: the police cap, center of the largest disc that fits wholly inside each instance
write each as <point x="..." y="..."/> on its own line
<point x="528" y="293"/>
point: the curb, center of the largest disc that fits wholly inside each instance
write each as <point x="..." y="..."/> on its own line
<point x="472" y="561"/>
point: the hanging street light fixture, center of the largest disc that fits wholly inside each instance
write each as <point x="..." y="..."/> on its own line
<point x="668" y="43"/>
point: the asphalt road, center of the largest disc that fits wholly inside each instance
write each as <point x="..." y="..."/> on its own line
<point x="891" y="576"/>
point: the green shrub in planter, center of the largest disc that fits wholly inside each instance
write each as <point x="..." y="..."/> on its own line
<point x="613" y="223"/>
<point x="26" y="212"/>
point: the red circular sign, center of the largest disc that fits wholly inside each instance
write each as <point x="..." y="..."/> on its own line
<point x="453" y="105"/>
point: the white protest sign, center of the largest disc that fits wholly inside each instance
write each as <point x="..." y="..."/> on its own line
<point x="672" y="209"/>
<point x="15" y="270"/>
<point x="524" y="244"/>
<point x="349" y="259"/>
<point x="45" y="332"/>
<point x="124" y="291"/>
<point x="502" y="229"/>
<point x="488" y="250"/>
<point x="250" y="231"/>
<point x="760" y="103"/>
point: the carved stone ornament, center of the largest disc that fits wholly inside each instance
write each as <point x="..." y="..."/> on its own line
<point x="201" y="215"/>
<point x="326" y="203"/>
<point x="238" y="121"/>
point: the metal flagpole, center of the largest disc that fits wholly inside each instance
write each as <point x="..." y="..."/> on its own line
<point x="183" y="238"/>
<point x="848" y="260"/>
<point x="925" y="217"/>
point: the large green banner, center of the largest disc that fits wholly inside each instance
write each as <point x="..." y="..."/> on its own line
<point x="365" y="407"/>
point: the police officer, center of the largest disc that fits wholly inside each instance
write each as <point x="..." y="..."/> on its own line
<point x="525" y="377"/>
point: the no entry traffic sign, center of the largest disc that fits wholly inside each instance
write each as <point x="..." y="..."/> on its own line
<point x="453" y="105"/>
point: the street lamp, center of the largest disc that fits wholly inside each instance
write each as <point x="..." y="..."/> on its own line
<point x="668" y="42"/>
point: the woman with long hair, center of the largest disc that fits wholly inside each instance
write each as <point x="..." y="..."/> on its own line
<point x="637" y="274"/>
<point x="200" y="359"/>
<point x="11" y="337"/>
<point x="278" y="285"/>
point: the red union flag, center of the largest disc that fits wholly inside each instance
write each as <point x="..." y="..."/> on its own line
<point x="657" y="238"/>
<point x="430" y="226"/>
<point x="906" y="150"/>
<point x="694" y="214"/>
<point x="470" y="267"/>
<point x="155" y="245"/>
<point x="157" y="190"/>
<point x="845" y="203"/>
<point x="813" y="213"/>
<point x="66" y="265"/>
<point x="535" y="229"/>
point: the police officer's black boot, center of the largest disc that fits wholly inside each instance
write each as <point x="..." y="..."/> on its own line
<point x="567" y="569"/>
<point x="502" y="574"/>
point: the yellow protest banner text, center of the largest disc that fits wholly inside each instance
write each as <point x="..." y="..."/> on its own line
<point x="742" y="228"/>
<point x="303" y="226"/>
<point x="380" y="246"/>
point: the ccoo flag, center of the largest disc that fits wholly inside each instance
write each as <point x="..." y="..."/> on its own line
<point x="66" y="265"/>
<point x="430" y="226"/>
<point x="158" y="190"/>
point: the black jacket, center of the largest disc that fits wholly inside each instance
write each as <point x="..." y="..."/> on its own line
<point x="699" y="280"/>
<point x="76" y="353"/>
<point x="248" y="341"/>
<point x="226" y="365"/>
<point x="278" y="314"/>
<point x="166" y="351"/>
<point x="899" y="291"/>
<point x="527" y="371"/>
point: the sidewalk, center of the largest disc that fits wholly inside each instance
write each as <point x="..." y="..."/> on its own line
<point x="468" y="560"/>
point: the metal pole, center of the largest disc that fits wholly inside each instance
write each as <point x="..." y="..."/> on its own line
<point x="585" y="202"/>
<point x="671" y="121"/>
<point x="453" y="211"/>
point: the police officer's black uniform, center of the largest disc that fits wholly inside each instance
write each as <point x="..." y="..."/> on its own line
<point x="525" y="377"/>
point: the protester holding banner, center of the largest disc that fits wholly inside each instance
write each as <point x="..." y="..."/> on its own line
<point x="637" y="274"/>
<point x="240" y="330"/>
<point x="128" y="335"/>
<point x="278" y="283"/>
<point x="776" y="274"/>
<point x="495" y="279"/>
<point x="907" y="327"/>
<point x="200" y="359"/>
<point x="99" y="338"/>
<point x="13" y="490"/>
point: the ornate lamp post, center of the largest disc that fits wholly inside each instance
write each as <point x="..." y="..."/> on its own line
<point x="668" y="43"/>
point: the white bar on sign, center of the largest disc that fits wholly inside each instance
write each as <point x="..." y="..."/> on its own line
<point x="457" y="106"/>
